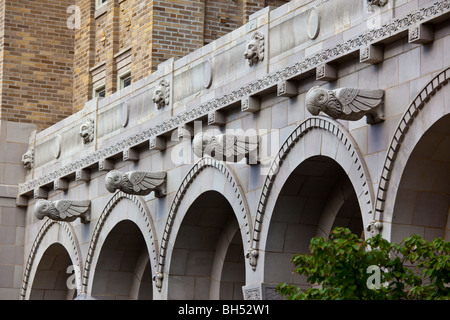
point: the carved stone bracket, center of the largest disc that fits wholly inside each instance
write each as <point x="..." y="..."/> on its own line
<point x="63" y="210"/>
<point x="346" y="103"/>
<point x="137" y="182"/>
<point x="227" y="147"/>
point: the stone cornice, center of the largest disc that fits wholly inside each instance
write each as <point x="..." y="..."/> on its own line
<point x="396" y="27"/>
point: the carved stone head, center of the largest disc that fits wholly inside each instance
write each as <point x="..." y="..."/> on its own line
<point x="113" y="180"/>
<point x="254" y="50"/>
<point x="41" y="209"/>
<point x="205" y="144"/>
<point x="161" y="97"/>
<point x="28" y="159"/>
<point x="87" y="131"/>
<point x="316" y="100"/>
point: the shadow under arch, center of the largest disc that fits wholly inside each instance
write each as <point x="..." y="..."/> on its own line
<point x="136" y="212"/>
<point x="206" y="175"/>
<point x="207" y="259"/>
<point x="315" y="136"/>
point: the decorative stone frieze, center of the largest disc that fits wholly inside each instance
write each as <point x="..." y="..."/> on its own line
<point x="137" y="182"/>
<point x="87" y="131"/>
<point x="254" y="51"/>
<point x="161" y="97"/>
<point x="346" y="103"/>
<point x="63" y="210"/>
<point x="252" y="293"/>
<point x="226" y="147"/>
<point x="261" y="291"/>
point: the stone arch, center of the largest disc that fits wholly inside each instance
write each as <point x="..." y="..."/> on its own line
<point x="426" y="109"/>
<point x="219" y="260"/>
<point x="50" y="233"/>
<point x="138" y="283"/>
<point x="315" y="136"/>
<point x="140" y="216"/>
<point x="215" y="176"/>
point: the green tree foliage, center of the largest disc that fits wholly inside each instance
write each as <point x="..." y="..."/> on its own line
<point x="344" y="267"/>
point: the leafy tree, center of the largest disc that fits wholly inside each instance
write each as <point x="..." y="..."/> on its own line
<point x="347" y="267"/>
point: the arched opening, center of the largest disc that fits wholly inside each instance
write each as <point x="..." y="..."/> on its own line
<point x="316" y="197"/>
<point x="208" y="259"/>
<point x="123" y="269"/>
<point x="53" y="279"/>
<point x="423" y="197"/>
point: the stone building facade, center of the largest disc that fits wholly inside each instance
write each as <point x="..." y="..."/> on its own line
<point x="224" y="156"/>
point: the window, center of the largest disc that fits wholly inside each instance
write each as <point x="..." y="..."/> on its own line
<point x="100" y="92"/>
<point x="100" y="3"/>
<point x="124" y="80"/>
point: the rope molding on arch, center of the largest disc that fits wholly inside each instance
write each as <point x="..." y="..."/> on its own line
<point x="34" y="248"/>
<point x="318" y="122"/>
<point x="116" y="198"/>
<point x="187" y="181"/>
<point x="405" y="122"/>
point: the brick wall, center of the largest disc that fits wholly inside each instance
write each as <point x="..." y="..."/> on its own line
<point x="37" y="62"/>
<point x="222" y="17"/>
<point x="2" y="10"/>
<point x="84" y="57"/>
<point x="46" y="67"/>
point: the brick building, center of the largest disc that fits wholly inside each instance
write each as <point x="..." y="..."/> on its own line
<point x="74" y="50"/>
